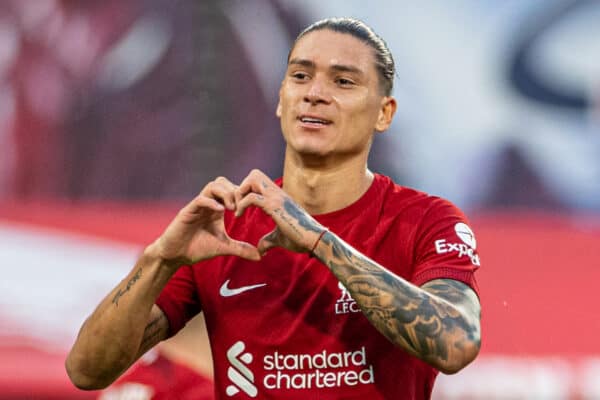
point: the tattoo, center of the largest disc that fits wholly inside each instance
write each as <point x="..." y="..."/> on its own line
<point x="155" y="331"/>
<point x="264" y="184"/>
<point x="429" y="322"/>
<point x="287" y="219"/>
<point x="152" y="331"/>
<point x="304" y="220"/>
<point x="130" y="283"/>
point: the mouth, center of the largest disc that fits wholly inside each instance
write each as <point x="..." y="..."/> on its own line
<point x="313" y="121"/>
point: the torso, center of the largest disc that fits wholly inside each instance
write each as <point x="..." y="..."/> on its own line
<point x="292" y="332"/>
<point x="300" y="335"/>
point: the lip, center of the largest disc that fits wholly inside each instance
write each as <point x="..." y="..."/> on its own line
<point x="313" y="125"/>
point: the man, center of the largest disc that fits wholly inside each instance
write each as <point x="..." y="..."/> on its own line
<point x="356" y="286"/>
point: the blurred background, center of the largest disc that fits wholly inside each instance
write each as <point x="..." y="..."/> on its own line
<point x="113" y="114"/>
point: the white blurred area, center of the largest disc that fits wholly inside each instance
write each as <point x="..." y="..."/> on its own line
<point x="143" y="101"/>
<point x="53" y="279"/>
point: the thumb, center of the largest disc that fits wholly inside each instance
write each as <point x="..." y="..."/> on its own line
<point x="244" y="250"/>
<point x="268" y="241"/>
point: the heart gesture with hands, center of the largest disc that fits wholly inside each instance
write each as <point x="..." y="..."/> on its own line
<point x="198" y="231"/>
<point x="296" y="230"/>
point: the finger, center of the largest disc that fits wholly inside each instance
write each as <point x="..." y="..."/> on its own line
<point x="268" y="241"/>
<point x="221" y="180"/>
<point x="202" y="202"/>
<point x="244" y="250"/>
<point x="249" y="185"/>
<point x="230" y="187"/>
<point x="251" y="199"/>
<point x="256" y="182"/>
<point x="225" y="182"/>
<point x="222" y="191"/>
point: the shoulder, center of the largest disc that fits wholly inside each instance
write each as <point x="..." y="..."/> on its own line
<point x="418" y="204"/>
<point x="421" y="219"/>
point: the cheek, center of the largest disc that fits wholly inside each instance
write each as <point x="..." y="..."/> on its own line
<point x="285" y="107"/>
<point x="363" y="116"/>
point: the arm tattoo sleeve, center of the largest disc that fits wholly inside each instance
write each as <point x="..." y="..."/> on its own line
<point x="304" y="220"/>
<point x="435" y="323"/>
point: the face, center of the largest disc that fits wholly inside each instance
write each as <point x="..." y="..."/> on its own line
<point x="330" y="101"/>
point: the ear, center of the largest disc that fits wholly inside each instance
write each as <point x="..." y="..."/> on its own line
<point x="386" y="113"/>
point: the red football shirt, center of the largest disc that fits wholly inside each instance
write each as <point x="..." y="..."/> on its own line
<point x="284" y="328"/>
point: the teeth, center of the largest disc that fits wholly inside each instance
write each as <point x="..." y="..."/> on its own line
<point x="313" y="120"/>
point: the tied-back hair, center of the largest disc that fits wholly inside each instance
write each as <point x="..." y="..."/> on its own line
<point x="384" y="62"/>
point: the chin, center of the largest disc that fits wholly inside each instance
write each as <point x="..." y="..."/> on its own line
<point x="310" y="147"/>
<point x="310" y="142"/>
<point x="313" y="153"/>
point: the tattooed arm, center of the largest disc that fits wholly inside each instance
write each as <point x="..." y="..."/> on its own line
<point x="127" y="323"/>
<point x="438" y="322"/>
<point x="122" y="328"/>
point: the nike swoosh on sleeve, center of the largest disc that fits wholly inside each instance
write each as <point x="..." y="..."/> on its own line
<point x="225" y="291"/>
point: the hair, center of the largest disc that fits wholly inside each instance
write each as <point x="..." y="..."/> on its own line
<point x="384" y="62"/>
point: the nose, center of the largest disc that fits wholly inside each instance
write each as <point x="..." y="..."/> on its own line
<point x="317" y="92"/>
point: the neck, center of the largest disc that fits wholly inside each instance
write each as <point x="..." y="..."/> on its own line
<point x="325" y="187"/>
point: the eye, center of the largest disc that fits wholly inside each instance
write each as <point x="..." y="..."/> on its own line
<point x="344" y="82"/>
<point x="300" y="76"/>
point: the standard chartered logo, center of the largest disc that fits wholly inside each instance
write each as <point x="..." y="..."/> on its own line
<point x="291" y="371"/>
<point x="238" y="373"/>
<point x="320" y="370"/>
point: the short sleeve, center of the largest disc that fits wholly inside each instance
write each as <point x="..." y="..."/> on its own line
<point x="179" y="299"/>
<point x="445" y="246"/>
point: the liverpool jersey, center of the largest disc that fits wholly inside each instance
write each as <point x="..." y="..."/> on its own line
<point x="285" y="328"/>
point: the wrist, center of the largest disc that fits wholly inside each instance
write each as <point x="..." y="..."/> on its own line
<point x="316" y="243"/>
<point x="153" y="254"/>
<point x="320" y="246"/>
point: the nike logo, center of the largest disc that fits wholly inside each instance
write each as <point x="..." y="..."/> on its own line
<point x="227" y="292"/>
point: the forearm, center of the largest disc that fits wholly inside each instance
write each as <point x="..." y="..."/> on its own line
<point x="121" y="328"/>
<point x="422" y="323"/>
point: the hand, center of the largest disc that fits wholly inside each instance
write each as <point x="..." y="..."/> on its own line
<point x="198" y="231"/>
<point x="296" y="230"/>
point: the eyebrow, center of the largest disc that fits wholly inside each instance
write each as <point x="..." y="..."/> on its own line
<point x="336" y="67"/>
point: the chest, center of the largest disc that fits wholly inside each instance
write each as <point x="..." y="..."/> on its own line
<point x="286" y="297"/>
<point x="283" y="296"/>
<point x="290" y="325"/>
